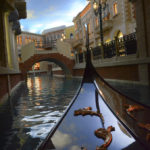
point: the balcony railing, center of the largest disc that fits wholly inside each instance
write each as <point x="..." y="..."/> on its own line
<point x="107" y="24"/>
<point x="46" y="45"/>
<point x="77" y="42"/>
<point x="124" y="46"/>
<point x="119" y="47"/>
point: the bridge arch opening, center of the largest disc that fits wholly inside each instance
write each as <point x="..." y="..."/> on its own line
<point x="66" y="71"/>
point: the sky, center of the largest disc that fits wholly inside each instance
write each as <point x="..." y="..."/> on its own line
<point x="45" y="14"/>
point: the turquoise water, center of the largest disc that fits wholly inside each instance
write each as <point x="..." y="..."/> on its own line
<point x="139" y="93"/>
<point x="34" y="109"/>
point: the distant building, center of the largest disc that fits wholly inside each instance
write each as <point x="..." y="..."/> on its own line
<point x="28" y="37"/>
<point x="45" y="41"/>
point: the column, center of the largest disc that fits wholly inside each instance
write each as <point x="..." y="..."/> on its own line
<point x="2" y="41"/>
<point x="142" y="8"/>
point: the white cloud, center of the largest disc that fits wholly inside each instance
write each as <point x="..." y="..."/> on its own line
<point x="52" y="18"/>
<point x="61" y="140"/>
<point x="38" y="25"/>
<point x="56" y="24"/>
<point x="22" y="27"/>
<point x="31" y="14"/>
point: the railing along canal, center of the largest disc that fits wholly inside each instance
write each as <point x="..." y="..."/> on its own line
<point x="124" y="46"/>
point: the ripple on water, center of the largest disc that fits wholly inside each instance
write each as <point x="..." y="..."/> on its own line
<point x="40" y="131"/>
<point x="38" y="109"/>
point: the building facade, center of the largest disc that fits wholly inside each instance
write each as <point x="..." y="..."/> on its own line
<point x="123" y="25"/>
<point x="118" y="20"/>
<point x="10" y="13"/>
<point x="50" y="39"/>
<point x="26" y="37"/>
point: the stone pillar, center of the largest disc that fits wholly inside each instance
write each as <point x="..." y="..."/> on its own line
<point x="2" y="41"/>
<point x="142" y="28"/>
<point x="142" y="9"/>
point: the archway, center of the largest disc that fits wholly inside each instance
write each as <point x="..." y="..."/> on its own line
<point x="62" y="61"/>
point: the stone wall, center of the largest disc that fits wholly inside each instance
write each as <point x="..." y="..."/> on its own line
<point x="127" y="73"/>
<point x="7" y="83"/>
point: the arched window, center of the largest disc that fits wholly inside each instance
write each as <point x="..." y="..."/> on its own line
<point x="115" y="8"/>
<point x="29" y="39"/>
<point x="35" y="42"/>
<point x="20" y="40"/>
<point x="108" y="40"/>
<point x="119" y="34"/>
<point x="41" y="43"/>
<point x="26" y="40"/>
<point x="71" y="35"/>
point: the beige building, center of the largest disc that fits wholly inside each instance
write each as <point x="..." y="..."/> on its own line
<point x="58" y="38"/>
<point x="26" y="37"/>
<point x="118" y="20"/>
<point x="10" y="14"/>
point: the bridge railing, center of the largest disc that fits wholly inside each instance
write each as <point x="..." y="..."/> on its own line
<point x="36" y="51"/>
<point x="45" y="45"/>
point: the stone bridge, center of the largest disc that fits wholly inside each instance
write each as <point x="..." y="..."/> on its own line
<point x="32" y="55"/>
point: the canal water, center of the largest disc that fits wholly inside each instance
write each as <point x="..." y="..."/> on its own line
<point x="33" y="110"/>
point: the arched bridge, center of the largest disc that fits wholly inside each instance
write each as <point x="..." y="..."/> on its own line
<point x="31" y="55"/>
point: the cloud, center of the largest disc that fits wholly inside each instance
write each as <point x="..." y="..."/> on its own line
<point x="76" y="7"/>
<point x="31" y="14"/>
<point x="22" y="27"/>
<point x="52" y="16"/>
<point x="56" y="24"/>
<point x="50" y="9"/>
<point x="61" y="140"/>
<point x="38" y="25"/>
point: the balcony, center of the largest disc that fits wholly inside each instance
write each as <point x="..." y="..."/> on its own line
<point x="107" y="25"/>
<point x="77" y="42"/>
<point x="21" y="7"/>
<point x="8" y="5"/>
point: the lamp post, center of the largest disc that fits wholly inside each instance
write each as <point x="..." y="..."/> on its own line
<point x="98" y="6"/>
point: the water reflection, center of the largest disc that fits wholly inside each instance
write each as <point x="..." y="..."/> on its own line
<point x="39" y="107"/>
<point x="78" y="131"/>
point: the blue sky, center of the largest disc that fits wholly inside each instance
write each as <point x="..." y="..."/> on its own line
<point x="45" y="14"/>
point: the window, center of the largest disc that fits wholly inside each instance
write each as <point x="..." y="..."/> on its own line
<point x="96" y="21"/>
<point x="29" y="39"/>
<point x="20" y="40"/>
<point x="35" y="42"/>
<point x="71" y="36"/>
<point x="41" y="42"/>
<point x="115" y="8"/>
<point x="106" y="12"/>
<point x="17" y="39"/>
<point x="26" y="40"/>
